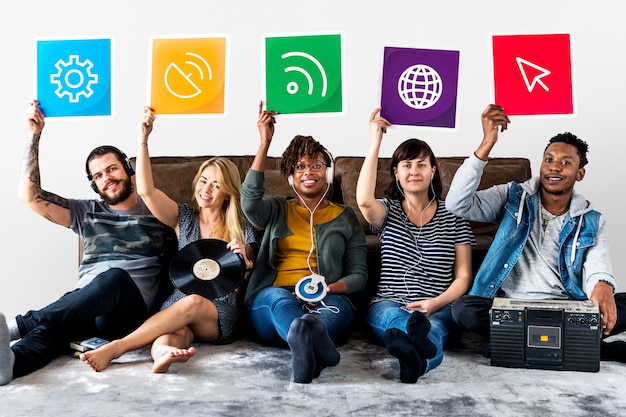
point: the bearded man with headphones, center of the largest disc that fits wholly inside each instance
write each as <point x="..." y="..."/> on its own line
<point x="118" y="277"/>
<point x="312" y="256"/>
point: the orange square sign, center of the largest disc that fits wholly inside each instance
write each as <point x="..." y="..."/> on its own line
<point x="188" y="75"/>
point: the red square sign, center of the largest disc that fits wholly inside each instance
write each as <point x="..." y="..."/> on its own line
<point x="533" y="74"/>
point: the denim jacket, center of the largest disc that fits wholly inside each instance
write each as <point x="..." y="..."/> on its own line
<point x="584" y="257"/>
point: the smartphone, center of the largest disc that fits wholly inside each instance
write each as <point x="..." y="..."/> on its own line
<point x="93" y="343"/>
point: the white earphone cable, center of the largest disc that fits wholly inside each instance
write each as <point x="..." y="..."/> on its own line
<point x="407" y="219"/>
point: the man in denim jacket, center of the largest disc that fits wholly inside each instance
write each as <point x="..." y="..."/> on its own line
<point x="550" y="243"/>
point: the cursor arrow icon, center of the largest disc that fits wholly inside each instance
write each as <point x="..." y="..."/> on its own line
<point x="525" y="66"/>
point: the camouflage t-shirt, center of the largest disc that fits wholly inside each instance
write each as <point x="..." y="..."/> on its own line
<point x="133" y="240"/>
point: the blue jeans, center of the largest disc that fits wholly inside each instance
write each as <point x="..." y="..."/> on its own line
<point x="110" y="307"/>
<point x="384" y="315"/>
<point x="274" y="308"/>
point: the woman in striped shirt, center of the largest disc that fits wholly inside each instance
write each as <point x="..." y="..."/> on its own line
<point x="425" y="254"/>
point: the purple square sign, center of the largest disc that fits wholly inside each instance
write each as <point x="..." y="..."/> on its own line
<point x="420" y="87"/>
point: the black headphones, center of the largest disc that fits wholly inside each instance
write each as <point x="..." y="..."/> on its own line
<point x="129" y="167"/>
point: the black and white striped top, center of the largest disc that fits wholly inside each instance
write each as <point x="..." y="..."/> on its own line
<point x="418" y="262"/>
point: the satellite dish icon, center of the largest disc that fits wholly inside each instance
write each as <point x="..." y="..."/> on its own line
<point x="184" y="84"/>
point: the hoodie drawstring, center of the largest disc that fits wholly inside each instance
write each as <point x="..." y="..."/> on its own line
<point x="520" y="210"/>
<point x="575" y="243"/>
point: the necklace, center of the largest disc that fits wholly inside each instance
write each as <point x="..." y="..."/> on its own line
<point x="547" y="217"/>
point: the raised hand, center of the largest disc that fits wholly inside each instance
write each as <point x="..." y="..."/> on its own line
<point x="378" y="125"/>
<point x="146" y="123"/>
<point x="34" y="118"/>
<point x="266" y="123"/>
<point x="493" y="118"/>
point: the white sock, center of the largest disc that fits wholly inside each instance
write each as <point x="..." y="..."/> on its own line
<point x="7" y="357"/>
<point x="14" y="331"/>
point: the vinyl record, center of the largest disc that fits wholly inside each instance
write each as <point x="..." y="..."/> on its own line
<point x="207" y="267"/>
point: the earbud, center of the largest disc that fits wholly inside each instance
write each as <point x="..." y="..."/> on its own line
<point x="290" y="180"/>
<point x="432" y="175"/>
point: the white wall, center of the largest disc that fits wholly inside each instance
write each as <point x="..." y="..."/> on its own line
<point x="39" y="258"/>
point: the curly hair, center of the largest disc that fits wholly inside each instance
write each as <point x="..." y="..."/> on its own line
<point x="303" y="146"/>
<point x="581" y="146"/>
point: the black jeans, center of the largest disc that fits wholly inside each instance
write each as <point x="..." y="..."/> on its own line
<point x="110" y="307"/>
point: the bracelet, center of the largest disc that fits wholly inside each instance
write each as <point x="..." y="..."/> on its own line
<point x="250" y="265"/>
<point x="607" y="282"/>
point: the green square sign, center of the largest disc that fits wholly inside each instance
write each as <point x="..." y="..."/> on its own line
<point x="303" y="74"/>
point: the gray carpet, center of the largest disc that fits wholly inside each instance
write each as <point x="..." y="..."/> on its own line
<point x="246" y="379"/>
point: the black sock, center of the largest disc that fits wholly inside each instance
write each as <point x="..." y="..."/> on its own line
<point x="613" y="351"/>
<point x="417" y="327"/>
<point x="412" y="366"/>
<point x="325" y="350"/>
<point x="300" y="342"/>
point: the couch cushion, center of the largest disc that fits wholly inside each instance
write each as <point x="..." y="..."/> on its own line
<point x="348" y="189"/>
<point x="175" y="179"/>
<point x="352" y="164"/>
<point x="497" y="171"/>
<point x="276" y="183"/>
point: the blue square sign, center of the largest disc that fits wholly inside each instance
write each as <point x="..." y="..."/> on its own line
<point x="74" y="77"/>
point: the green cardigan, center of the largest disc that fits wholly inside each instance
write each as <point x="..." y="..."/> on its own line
<point x="341" y="250"/>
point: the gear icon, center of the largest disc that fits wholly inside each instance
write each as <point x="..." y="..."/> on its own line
<point x="74" y="78"/>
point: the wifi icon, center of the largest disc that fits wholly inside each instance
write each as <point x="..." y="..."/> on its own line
<point x="303" y="74"/>
<point x="293" y="86"/>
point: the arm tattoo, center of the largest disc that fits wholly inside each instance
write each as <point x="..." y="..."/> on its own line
<point x="52" y="198"/>
<point x="30" y="164"/>
<point x="30" y="170"/>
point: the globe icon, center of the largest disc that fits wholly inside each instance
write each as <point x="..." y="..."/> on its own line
<point x="420" y="86"/>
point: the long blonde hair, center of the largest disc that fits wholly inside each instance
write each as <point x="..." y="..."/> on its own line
<point x="229" y="181"/>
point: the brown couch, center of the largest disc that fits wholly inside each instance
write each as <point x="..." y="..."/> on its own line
<point x="174" y="174"/>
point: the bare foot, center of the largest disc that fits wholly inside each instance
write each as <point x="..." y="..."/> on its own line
<point x="98" y="359"/>
<point x="166" y="356"/>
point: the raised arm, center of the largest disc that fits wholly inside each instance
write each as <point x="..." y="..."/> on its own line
<point x="462" y="198"/>
<point x="265" y="124"/>
<point x="164" y="208"/>
<point x="493" y="118"/>
<point x="44" y="203"/>
<point x="373" y="210"/>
